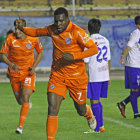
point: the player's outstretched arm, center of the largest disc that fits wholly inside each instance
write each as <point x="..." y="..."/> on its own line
<point x="30" y="31"/>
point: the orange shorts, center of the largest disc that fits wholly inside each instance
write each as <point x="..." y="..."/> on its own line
<point x="77" y="88"/>
<point x="18" y="83"/>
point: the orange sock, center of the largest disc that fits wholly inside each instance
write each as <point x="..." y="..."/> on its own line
<point x="89" y="114"/>
<point x="51" y="127"/>
<point x="23" y="113"/>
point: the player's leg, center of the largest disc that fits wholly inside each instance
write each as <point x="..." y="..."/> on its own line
<point x="95" y="91"/>
<point x="103" y="94"/>
<point x="54" y="102"/>
<point x="102" y="128"/>
<point x="134" y="94"/>
<point x="16" y="84"/>
<point x="137" y="115"/>
<point x="78" y="92"/>
<point x="79" y="98"/>
<point x="96" y="111"/>
<point x="93" y="94"/>
<point x="56" y="93"/>
<point x="84" y="110"/>
<point x="122" y="105"/>
<point x="27" y="88"/>
<point x="134" y="85"/>
<point x="26" y="93"/>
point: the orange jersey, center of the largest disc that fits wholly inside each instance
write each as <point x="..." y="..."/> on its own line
<point x="21" y="53"/>
<point x="73" y="40"/>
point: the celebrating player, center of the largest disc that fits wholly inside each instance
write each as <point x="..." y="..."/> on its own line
<point x="20" y="49"/>
<point x="68" y="68"/>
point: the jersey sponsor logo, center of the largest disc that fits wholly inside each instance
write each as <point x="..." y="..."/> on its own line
<point x="16" y="46"/>
<point x="52" y="86"/>
<point x="28" y="46"/>
<point x="67" y="40"/>
<point x="103" y="68"/>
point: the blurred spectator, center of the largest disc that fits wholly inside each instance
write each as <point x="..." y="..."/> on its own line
<point x="90" y="1"/>
<point x="82" y="2"/>
<point x="67" y="2"/>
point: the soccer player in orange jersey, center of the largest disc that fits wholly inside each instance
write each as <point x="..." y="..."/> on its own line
<point x="68" y="68"/>
<point x="20" y="49"/>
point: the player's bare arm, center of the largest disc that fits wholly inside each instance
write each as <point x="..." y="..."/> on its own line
<point x="7" y="61"/>
<point x="124" y="53"/>
<point x="38" y="59"/>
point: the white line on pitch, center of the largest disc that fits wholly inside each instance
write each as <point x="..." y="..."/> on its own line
<point x="121" y="123"/>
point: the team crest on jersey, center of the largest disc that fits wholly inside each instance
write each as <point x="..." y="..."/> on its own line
<point x="28" y="46"/>
<point x="67" y="40"/>
<point x="52" y="86"/>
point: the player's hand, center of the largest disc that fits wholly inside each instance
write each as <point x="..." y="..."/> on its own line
<point x="15" y="67"/>
<point x="122" y="61"/>
<point x="32" y="70"/>
<point x="67" y="56"/>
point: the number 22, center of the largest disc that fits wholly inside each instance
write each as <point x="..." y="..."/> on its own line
<point x="104" y="51"/>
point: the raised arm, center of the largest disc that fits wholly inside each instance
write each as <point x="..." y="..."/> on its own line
<point x="36" y="32"/>
<point x="30" y="31"/>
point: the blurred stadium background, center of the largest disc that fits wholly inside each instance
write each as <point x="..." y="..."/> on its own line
<point x="116" y="16"/>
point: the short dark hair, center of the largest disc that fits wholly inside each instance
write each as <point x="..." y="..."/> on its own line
<point x="23" y="21"/>
<point x="137" y="20"/>
<point x="94" y="25"/>
<point x="10" y="31"/>
<point x="61" y="10"/>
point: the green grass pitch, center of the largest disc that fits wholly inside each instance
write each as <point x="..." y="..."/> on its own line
<point x="71" y="126"/>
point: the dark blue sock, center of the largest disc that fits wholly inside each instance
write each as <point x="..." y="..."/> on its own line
<point x="96" y="111"/>
<point x="127" y="100"/>
<point x="101" y="115"/>
<point x="133" y="97"/>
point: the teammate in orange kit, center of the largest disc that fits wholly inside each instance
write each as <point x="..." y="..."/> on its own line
<point x="20" y="49"/>
<point x="68" y="68"/>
